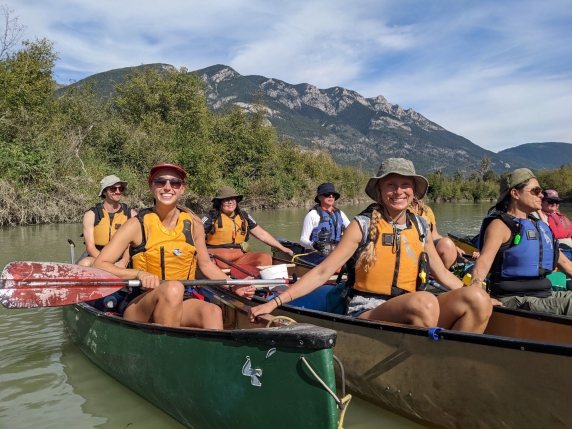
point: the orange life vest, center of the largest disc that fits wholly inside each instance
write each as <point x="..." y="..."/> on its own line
<point x="228" y="231"/>
<point x="104" y="227"/>
<point x="396" y="264"/>
<point x="169" y="254"/>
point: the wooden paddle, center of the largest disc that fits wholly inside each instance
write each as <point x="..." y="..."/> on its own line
<point x="51" y="284"/>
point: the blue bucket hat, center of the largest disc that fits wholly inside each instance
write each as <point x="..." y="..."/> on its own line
<point x="326" y="189"/>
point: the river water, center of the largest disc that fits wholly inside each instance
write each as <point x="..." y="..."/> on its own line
<point x="46" y="382"/>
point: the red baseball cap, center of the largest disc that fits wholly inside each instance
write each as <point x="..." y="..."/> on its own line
<point x="158" y="167"/>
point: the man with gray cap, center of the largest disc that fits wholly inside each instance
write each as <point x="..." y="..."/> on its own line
<point x="104" y="219"/>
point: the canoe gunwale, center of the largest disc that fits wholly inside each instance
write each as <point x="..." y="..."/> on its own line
<point x="299" y="335"/>
<point x="463" y="337"/>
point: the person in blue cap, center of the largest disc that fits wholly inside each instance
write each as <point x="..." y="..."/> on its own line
<point x="323" y="216"/>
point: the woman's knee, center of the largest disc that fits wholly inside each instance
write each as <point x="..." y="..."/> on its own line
<point x="478" y="301"/>
<point x="446" y="246"/>
<point x="424" y="308"/>
<point x="172" y="291"/>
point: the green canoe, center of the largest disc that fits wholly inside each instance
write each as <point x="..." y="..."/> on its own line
<point x="245" y="376"/>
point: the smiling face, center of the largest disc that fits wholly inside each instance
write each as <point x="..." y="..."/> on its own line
<point x="327" y="200"/>
<point x="228" y="206"/>
<point x="396" y="193"/>
<point x="165" y="190"/>
<point x="550" y="205"/>
<point x="113" y="193"/>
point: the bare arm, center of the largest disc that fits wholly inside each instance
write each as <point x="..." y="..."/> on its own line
<point x="564" y="264"/>
<point x="496" y="234"/>
<point x="88" y="233"/>
<point x="442" y="274"/>
<point x="267" y="238"/>
<point x="320" y="274"/>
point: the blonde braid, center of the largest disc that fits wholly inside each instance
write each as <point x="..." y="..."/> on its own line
<point x="368" y="256"/>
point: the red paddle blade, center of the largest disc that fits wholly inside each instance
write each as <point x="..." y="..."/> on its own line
<point x="50" y="284"/>
<point x="242" y="271"/>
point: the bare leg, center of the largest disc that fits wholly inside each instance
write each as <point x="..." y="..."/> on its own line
<point x="447" y="251"/>
<point x="466" y="309"/>
<point x="419" y="309"/>
<point x="201" y="314"/>
<point x="162" y="305"/>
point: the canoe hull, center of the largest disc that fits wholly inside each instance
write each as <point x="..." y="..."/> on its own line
<point x="197" y="377"/>
<point x="458" y="381"/>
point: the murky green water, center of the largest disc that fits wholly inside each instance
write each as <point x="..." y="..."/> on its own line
<point x="45" y="381"/>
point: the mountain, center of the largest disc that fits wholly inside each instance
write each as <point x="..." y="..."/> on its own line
<point x="538" y="156"/>
<point x="357" y="131"/>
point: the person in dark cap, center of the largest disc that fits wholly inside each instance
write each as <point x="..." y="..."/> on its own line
<point x="322" y="215"/>
<point x="167" y="243"/>
<point x="104" y="219"/>
<point x="559" y="223"/>
<point x="388" y="249"/>
<point x="228" y="229"/>
<point x="518" y="251"/>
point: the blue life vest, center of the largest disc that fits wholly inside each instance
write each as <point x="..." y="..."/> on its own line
<point x="331" y="221"/>
<point x="530" y="252"/>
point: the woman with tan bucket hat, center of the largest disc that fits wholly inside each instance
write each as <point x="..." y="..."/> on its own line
<point x="389" y="250"/>
<point x="167" y="243"/>
<point x="103" y="220"/>
<point x="228" y="228"/>
<point x="518" y="251"/>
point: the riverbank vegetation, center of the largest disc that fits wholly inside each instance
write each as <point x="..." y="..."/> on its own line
<point x="55" y="146"/>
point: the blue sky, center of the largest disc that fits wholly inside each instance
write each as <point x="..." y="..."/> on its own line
<point x="496" y="72"/>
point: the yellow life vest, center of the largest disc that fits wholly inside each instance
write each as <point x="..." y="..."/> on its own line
<point x="228" y="231"/>
<point x="396" y="265"/>
<point x="169" y="254"/>
<point x="104" y="228"/>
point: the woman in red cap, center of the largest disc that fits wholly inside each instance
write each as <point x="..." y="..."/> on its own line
<point x="560" y="225"/>
<point x="167" y="243"/>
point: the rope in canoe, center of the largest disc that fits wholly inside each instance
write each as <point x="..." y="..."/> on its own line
<point x="342" y="403"/>
<point x="279" y="318"/>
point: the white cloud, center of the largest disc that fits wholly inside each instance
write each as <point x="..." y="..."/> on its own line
<point x="498" y="73"/>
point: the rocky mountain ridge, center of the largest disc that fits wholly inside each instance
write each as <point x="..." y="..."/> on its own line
<point x="357" y="131"/>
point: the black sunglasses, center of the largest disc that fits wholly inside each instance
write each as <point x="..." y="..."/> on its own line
<point x="175" y="183"/>
<point x="549" y="201"/>
<point x="116" y="188"/>
<point x="330" y="195"/>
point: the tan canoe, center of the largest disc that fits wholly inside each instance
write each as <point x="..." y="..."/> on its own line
<point x="516" y="375"/>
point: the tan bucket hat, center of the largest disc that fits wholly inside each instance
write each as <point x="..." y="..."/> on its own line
<point x="227" y="192"/>
<point x="108" y="181"/>
<point x="400" y="166"/>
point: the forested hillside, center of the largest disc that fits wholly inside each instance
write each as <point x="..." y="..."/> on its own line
<point x="56" y="147"/>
